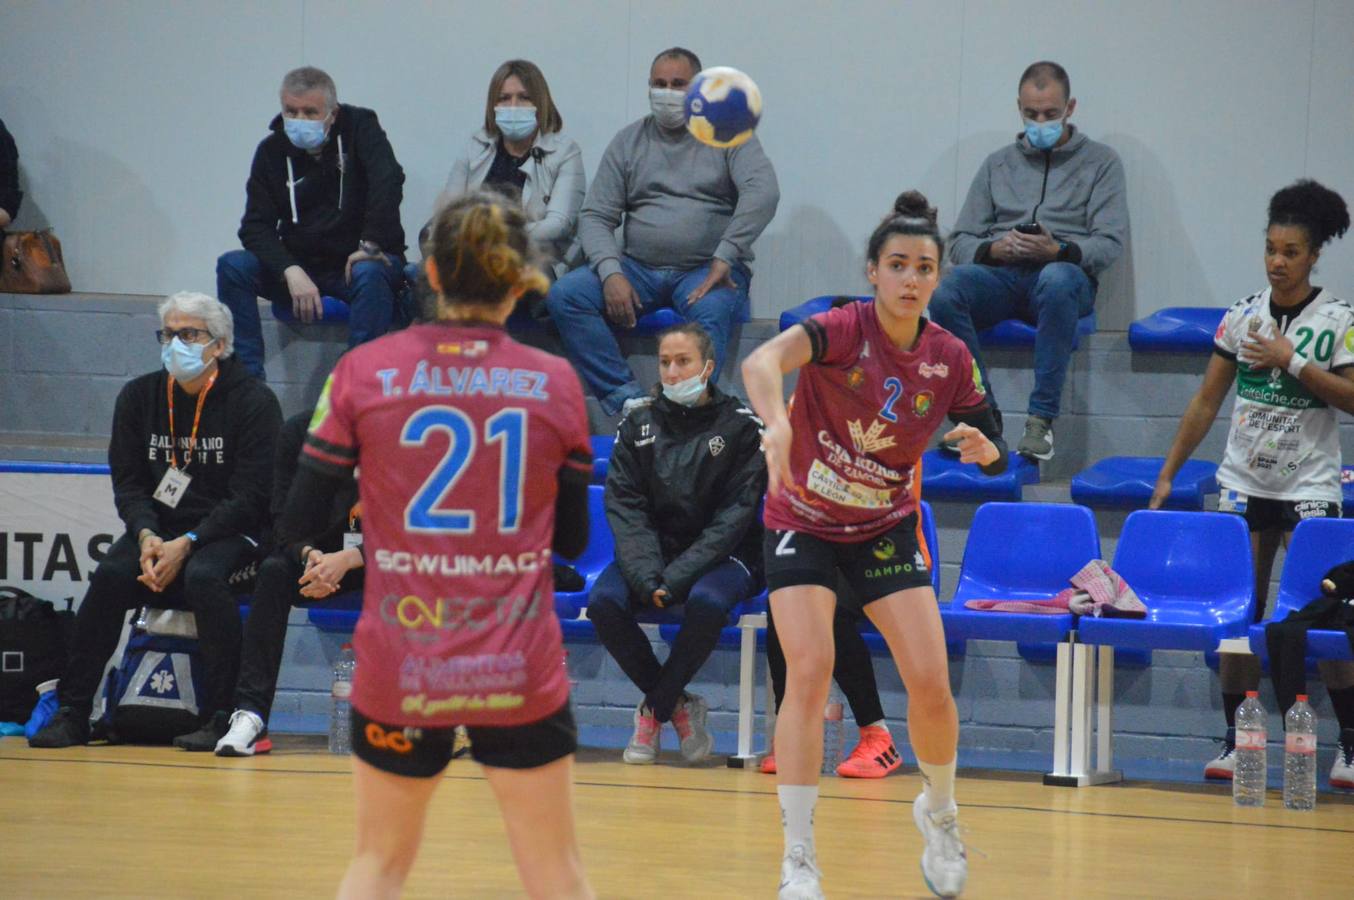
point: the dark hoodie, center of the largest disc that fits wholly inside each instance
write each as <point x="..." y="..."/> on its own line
<point x="313" y="212"/>
<point x="231" y="470"/>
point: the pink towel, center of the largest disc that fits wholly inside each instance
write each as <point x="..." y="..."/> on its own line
<point x="1054" y="606"/>
<point x="1097" y="590"/>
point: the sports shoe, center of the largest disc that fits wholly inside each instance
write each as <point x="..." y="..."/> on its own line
<point x="204" y="739"/>
<point x="1224" y="764"/>
<point x="689" y="720"/>
<point x="1037" y="441"/>
<point x="768" y="766"/>
<point x="874" y="757"/>
<point x="800" y="878"/>
<point x="944" y="862"/>
<point x="68" y="728"/>
<point x="643" y="746"/>
<point x="1342" y="773"/>
<point x="247" y="735"/>
<point x="460" y="742"/>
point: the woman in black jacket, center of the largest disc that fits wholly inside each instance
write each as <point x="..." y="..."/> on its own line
<point x="683" y="496"/>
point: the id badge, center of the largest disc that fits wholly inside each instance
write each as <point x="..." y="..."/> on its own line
<point x="1232" y="502"/>
<point x="352" y="539"/>
<point x="172" y="487"/>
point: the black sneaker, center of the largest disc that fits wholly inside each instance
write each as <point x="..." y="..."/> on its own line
<point x="68" y="728"/>
<point x="205" y="738"/>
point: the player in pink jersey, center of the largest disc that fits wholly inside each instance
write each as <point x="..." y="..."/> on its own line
<point x="475" y="462"/>
<point x="875" y="381"/>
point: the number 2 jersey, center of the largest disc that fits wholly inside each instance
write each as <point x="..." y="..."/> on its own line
<point x="1284" y="443"/>
<point x="862" y="414"/>
<point x="460" y="433"/>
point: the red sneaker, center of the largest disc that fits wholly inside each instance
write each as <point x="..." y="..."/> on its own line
<point x="769" y="763"/>
<point x="874" y="757"/>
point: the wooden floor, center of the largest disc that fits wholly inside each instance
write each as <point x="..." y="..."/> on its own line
<point x="153" y="822"/>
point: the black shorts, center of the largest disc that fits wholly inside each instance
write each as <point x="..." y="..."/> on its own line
<point x="424" y="752"/>
<point x="1264" y="514"/>
<point x="875" y="568"/>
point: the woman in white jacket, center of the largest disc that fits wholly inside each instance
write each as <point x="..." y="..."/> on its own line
<point x="523" y="151"/>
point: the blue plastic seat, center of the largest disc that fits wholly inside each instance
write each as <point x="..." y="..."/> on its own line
<point x="1176" y="329"/>
<point x="1316" y="547"/>
<point x="946" y="478"/>
<point x="1020" y="551"/>
<point x="601" y="456"/>
<point x="797" y="314"/>
<point x="1128" y="481"/>
<point x="1347" y="488"/>
<point x="333" y="310"/>
<point x="1019" y="333"/>
<point x="338" y="613"/>
<point x="1194" y="573"/>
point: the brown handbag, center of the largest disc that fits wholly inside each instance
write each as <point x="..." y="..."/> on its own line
<point x="33" y="264"/>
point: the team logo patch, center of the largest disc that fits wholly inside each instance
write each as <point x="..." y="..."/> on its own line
<point x="869" y="441"/>
<point x="883" y="549"/>
<point x="1349" y="340"/>
<point x="1222" y="329"/>
<point x="468" y="349"/>
<point x="716" y="445"/>
<point x="978" y="379"/>
<point x="322" y="405"/>
<point x="939" y="370"/>
<point x="922" y="402"/>
<point x="855" y="378"/>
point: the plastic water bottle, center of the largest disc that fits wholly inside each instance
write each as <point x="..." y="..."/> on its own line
<point x="1248" y="781"/>
<point x="1299" y="756"/>
<point x="833" y="727"/>
<point x="340" y="723"/>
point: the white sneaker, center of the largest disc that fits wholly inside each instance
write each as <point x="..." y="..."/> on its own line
<point x="643" y="746"/>
<point x="800" y="878"/>
<point x="689" y="719"/>
<point x="944" y="862"/>
<point x="1223" y="765"/>
<point x="246" y="736"/>
<point x="1342" y="773"/>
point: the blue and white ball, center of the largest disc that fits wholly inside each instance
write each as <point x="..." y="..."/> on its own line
<point x="723" y="107"/>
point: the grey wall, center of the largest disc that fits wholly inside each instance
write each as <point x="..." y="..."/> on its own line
<point x="136" y="120"/>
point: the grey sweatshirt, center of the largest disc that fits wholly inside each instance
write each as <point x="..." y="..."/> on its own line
<point x="682" y="203"/>
<point x="1084" y="203"/>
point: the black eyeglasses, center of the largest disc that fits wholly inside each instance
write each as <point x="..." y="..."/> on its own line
<point x="187" y="335"/>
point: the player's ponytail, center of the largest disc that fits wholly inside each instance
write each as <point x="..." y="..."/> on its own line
<point x="1312" y="206"/>
<point x="912" y="214"/>
<point x="481" y="250"/>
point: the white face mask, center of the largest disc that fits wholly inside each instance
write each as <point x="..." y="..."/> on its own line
<point x="669" y="107"/>
<point x="688" y="391"/>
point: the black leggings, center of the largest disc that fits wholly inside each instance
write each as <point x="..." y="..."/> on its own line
<point x="852" y="667"/>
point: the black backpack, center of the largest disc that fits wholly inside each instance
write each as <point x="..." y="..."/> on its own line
<point x="34" y="647"/>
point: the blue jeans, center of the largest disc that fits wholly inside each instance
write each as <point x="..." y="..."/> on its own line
<point x="577" y="306"/>
<point x="973" y="298"/>
<point x="241" y="280"/>
<point x="613" y="611"/>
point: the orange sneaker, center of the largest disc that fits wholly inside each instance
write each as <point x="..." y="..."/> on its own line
<point x="874" y="757"/>
<point x="769" y="763"/>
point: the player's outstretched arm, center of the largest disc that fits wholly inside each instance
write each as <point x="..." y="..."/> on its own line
<point x="1194" y="424"/>
<point x="764" y="379"/>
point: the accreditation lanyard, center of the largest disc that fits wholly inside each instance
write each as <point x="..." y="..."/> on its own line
<point x="197" y="418"/>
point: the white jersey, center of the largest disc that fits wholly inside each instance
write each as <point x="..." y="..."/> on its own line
<point x="1283" y="443"/>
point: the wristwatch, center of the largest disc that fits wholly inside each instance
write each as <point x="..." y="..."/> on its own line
<point x="371" y="248"/>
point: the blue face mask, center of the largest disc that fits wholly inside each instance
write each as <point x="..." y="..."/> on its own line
<point x="1043" y="135"/>
<point x="686" y="392"/>
<point x="183" y="361"/>
<point x="307" y="134"/>
<point x="516" y="123"/>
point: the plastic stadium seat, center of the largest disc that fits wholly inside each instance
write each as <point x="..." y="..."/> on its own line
<point x="601" y="456"/>
<point x="338" y="613"/>
<point x="1128" y="481"/>
<point x="657" y="320"/>
<point x="1018" y="333"/>
<point x="796" y="314"/>
<point x="1192" y="570"/>
<point x="1176" y="329"/>
<point x="946" y="478"/>
<point x="333" y="310"/>
<point x="1316" y="547"/>
<point x="1020" y="551"/>
<point x="1347" y="488"/>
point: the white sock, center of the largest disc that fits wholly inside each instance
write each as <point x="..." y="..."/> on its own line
<point x="939" y="784"/>
<point x="796" y="813"/>
<point x="880" y="724"/>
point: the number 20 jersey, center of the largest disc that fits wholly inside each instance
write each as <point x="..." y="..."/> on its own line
<point x="1284" y="443"/>
<point x="862" y="413"/>
<point x="460" y="433"/>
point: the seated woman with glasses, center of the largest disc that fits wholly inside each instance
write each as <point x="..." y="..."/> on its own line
<point x="191" y="456"/>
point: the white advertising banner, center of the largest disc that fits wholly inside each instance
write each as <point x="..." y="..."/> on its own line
<point x="56" y="522"/>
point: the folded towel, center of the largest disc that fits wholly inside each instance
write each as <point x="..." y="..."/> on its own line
<point x="1054" y="606"/>
<point x="1097" y="590"/>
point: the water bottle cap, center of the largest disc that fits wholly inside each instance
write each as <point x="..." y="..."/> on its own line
<point x="1252" y="693"/>
<point x="1302" y="698"/>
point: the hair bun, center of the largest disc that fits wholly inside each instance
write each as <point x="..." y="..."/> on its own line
<point x="914" y="205"/>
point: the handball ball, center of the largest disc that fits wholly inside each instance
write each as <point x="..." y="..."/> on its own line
<point x="723" y="106"/>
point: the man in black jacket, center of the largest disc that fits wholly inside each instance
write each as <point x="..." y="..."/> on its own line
<point x="682" y="497"/>
<point x="322" y="217"/>
<point x="191" y="457"/>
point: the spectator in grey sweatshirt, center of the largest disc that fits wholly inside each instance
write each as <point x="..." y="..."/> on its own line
<point x="1045" y="215"/>
<point x="689" y="214"/>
